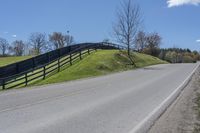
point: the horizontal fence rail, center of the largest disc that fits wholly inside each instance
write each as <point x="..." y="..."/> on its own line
<point x="39" y="67"/>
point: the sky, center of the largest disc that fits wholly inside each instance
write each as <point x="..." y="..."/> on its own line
<point x="177" y="21"/>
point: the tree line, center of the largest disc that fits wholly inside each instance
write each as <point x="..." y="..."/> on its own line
<point x="37" y="43"/>
<point x="179" y="55"/>
<point x="150" y="44"/>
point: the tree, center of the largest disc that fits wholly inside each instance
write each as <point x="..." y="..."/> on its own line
<point x="128" y="24"/>
<point x="18" y="47"/>
<point x="162" y="55"/>
<point x="3" y="46"/>
<point x="38" y="42"/>
<point x="140" y="41"/>
<point x="27" y="48"/>
<point x="60" y="40"/>
<point x="153" y="43"/>
<point x="10" y="50"/>
<point x="69" y="40"/>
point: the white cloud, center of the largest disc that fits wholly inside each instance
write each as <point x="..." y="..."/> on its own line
<point x="14" y="36"/>
<point x="198" y="41"/>
<point x="172" y="3"/>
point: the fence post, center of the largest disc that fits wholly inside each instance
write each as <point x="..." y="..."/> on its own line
<point x="44" y="72"/>
<point x="17" y="68"/>
<point x="80" y="55"/>
<point x="88" y="51"/>
<point x="26" y="79"/>
<point x="59" y="65"/>
<point x="48" y="56"/>
<point x="3" y="84"/>
<point x="70" y="59"/>
<point x="33" y="62"/>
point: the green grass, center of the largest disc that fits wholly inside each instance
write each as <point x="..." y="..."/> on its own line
<point x="9" y="60"/>
<point x="100" y="63"/>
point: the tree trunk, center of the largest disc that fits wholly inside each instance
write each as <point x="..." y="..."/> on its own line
<point x="128" y="50"/>
<point x="129" y="56"/>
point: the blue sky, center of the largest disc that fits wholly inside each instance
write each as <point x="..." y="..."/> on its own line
<point x="178" y="21"/>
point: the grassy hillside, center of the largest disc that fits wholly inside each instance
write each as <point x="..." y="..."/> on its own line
<point x="9" y="60"/>
<point x="100" y="63"/>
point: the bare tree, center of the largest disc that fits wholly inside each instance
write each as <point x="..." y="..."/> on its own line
<point x="140" y="41"/>
<point x="153" y="43"/>
<point x="18" y="47"/>
<point x="10" y="50"/>
<point x="38" y="42"/>
<point x="27" y="48"/>
<point x="69" y="40"/>
<point x="128" y="24"/>
<point x="60" y="40"/>
<point x="3" y="46"/>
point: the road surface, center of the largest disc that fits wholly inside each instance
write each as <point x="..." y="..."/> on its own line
<point x="115" y="103"/>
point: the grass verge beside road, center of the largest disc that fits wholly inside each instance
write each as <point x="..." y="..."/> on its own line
<point x="100" y="63"/>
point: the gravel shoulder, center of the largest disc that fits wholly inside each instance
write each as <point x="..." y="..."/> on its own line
<point x="182" y="115"/>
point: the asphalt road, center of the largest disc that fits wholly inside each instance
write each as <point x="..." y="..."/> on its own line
<point x="109" y="104"/>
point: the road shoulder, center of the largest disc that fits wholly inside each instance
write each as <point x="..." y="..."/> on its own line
<point x="181" y="116"/>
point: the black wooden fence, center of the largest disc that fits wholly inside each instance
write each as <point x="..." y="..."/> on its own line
<point x="23" y="72"/>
